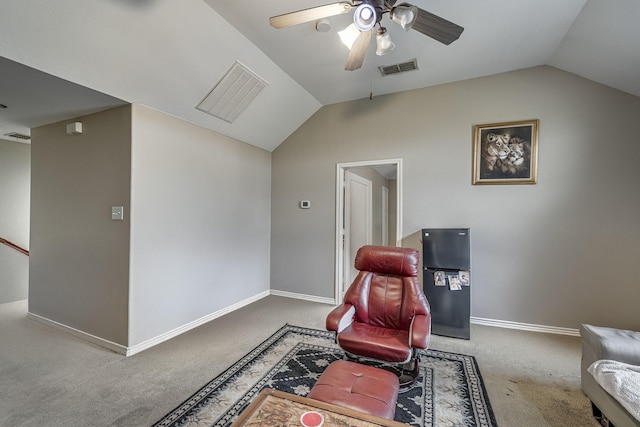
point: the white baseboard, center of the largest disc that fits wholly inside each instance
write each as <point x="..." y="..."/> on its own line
<point x="130" y="351"/>
<point x="191" y="325"/>
<point x="312" y="298"/>
<point x="118" y="348"/>
<point x="525" y="326"/>
<point x="477" y="320"/>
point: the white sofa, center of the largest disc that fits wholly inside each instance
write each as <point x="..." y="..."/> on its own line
<point x="600" y="343"/>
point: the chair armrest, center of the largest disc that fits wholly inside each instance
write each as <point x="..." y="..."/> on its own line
<point x="420" y="331"/>
<point x="340" y="317"/>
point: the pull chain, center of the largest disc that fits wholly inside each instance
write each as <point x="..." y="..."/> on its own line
<point x="371" y="89"/>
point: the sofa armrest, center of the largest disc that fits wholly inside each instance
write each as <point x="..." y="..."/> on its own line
<point x="420" y="331"/>
<point x="600" y="343"/>
<point x="340" y="317"/>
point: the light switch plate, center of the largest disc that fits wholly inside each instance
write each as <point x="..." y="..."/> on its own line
<point x="117" y="213"/>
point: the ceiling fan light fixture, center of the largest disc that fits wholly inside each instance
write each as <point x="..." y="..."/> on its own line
<point x="384" y="44"/>
<point x="365" y="17"/>
<point x="404" y="15"/>
<point x="349" y="35"/>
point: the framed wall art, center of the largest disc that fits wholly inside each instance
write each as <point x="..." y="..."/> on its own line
<point x="506" y="153"/>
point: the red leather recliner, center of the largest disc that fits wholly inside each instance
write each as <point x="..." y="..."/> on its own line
<point x="385" y="315"/>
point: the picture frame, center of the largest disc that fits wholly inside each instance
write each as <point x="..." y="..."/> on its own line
<point x="463" y="277"/>
<point x="506" y="153"/>
<point x="454" y="282"/>
<point x="439" y="278"/>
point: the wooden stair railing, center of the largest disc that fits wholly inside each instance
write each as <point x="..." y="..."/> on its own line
<point x="14" y="246"/>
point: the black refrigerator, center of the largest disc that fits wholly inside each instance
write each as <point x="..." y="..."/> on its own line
<point x="446" y="259"/>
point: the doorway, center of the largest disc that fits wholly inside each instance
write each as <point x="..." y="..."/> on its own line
<point x="355" y="210"/>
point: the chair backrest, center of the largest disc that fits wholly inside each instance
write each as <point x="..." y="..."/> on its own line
<point x="386" y="291"/>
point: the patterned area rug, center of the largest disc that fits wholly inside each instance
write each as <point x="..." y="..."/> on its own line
<point x="449" y="391"/>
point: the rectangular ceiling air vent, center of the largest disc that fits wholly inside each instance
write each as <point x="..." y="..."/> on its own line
<point x="18" y="135"/>
<point x="387" y="70"/>
<point x="232" y="94"/>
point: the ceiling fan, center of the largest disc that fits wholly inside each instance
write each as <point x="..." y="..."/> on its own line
<point x="367" y="14"/>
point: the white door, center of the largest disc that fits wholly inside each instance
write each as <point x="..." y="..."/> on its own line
<point x="357" y="222"/>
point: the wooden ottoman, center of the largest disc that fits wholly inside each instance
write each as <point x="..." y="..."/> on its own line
<point x="359" y="387"/>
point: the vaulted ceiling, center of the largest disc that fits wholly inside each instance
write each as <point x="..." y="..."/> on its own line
<point x="66" y="58"/>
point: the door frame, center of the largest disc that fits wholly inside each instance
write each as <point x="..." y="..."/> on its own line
<point x="340" y="185"/>
<point x="385" y="216"/>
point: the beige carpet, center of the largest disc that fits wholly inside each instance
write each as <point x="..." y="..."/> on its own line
<point x="49" y="378"/>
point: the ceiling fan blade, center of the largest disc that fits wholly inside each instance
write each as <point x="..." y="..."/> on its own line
<point x="312" y="14"/>
<point x="358" y="51"/>
<point x="437" y="28"/>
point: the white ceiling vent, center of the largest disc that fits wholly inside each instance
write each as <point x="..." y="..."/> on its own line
<point x="387" y="70"/>
<point x="232" y="94"/>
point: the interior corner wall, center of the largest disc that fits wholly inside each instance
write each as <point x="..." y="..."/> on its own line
<point x="79" y="263"/>
<point x="200" y="231"/>
<point x="559" y="253"/>
<point x="15" y="178"/>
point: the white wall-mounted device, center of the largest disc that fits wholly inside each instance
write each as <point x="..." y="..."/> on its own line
<point x="305" y="204"/>
<point x="74" y="128"/>
<point x="117" y="213"/>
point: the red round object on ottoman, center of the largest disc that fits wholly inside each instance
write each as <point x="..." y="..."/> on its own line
<point x="359" y="387"/>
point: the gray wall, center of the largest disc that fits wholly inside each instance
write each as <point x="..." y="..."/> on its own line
<point x="200" y="230"/>
<point x="15" y="170"/>
<point x="558" y="253"/>
<point x="196" y="234"/>
<point x="79" y="264"/>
